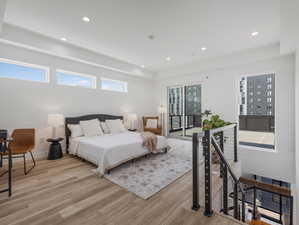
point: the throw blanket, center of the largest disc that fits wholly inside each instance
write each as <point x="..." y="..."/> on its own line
<point x="149" y="140"/>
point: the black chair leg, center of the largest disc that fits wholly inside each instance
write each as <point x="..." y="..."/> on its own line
<point x="1" y="161"/>
<point x="24" y="158"/>
<point x="33" y="160"/>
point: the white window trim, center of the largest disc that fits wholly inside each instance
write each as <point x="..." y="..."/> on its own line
<point x="178" y="85"/>
<point x="246" y="147"/>
<point x="34" y="66"/>
<point x="253" y="148"/>
<point x="118" y="81"/>
<point x="94" y="78"/>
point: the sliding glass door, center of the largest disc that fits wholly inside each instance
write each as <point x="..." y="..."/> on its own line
<point x="192" y="109"/>
<point x="175" y="111"/>
<point x="184" y="110"/>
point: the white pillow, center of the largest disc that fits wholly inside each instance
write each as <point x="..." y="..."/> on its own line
<point x="152" y="123"/>
<point x="76" y="130"/>
<point x="115" y="126"/>
<point x="105" y="128"/>
<point x="91" y="128"/>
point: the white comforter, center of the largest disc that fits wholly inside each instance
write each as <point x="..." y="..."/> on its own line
<point x="110" y="150"/>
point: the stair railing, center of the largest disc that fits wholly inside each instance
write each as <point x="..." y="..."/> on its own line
<point x="209" y="139"/>
<point x="269" y="188"/>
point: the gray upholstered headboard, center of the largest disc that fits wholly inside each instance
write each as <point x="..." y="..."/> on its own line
<point x="76" y="120"/>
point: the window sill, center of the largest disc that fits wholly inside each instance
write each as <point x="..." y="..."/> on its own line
<point x="246" y="147"/>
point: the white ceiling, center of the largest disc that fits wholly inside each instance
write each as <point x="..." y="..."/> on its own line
<point x="120" y="28"/>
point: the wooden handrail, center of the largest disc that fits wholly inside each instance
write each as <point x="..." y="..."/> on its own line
<point x="267" y="187"/>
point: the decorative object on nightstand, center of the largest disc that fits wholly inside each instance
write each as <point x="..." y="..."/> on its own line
<point x="55" y="151"/>
<point x="162" y="110"/>
<point x="132" y="122"/>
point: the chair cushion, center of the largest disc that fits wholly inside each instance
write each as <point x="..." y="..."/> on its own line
<point x="16" y="150"/>
<point x="152" y="123"/>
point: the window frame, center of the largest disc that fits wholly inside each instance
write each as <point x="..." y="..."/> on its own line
<point x="30" y="65"/>
<point x="93" y="77"/>
<point x="256" y="148"/>
<point x="118" y="81"/>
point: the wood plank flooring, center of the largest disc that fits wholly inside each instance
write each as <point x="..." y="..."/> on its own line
<point x="67" y="192"/>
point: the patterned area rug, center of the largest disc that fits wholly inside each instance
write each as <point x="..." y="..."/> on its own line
<point x="147" y="176"/>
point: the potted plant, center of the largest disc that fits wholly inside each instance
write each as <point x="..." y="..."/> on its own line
<point x="213" y="122"/>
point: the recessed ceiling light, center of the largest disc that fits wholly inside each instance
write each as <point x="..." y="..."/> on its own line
<point x="255" y="33"/>
<point x="63" y="39"/>
<point x="203" y="48"/>
<point x="151" y="37"/>
<point x="168" y="58"/>
<point x="142" y="66"/>
<point x="86" y="19"/>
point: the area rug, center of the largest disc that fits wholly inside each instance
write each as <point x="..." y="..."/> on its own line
<point x="147" y="176"/>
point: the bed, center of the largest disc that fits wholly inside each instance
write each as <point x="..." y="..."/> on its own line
<point x="110" y="150"/>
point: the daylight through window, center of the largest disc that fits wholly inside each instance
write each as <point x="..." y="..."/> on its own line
<point x="23" y="71"/>
<point x="257" y="111"/>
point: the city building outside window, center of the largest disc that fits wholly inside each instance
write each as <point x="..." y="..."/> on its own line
<point x="257" y="111"/>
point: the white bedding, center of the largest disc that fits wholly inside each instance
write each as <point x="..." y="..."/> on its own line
<point x="110" y="150"/>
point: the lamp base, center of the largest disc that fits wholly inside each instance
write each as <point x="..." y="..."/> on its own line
<point x="132" y="130"/>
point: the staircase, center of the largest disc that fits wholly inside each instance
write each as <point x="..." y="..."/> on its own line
<point x="233" y="187"/>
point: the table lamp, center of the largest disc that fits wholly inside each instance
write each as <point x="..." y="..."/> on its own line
<point x="55" y="121"/>
<point x="162" y="110"/>
<point x="132" y="121"/>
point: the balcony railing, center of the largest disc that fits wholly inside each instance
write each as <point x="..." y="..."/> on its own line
<point x="176" y="122"/>
<point x="256" y="123"/>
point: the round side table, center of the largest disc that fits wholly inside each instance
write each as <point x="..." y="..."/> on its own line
<point x="55" y="151"/>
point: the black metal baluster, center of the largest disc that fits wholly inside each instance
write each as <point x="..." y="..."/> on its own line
<point x="243" y="206"/>
<point x="208" y="174"/>
<point x="221" y="144"/>
<point x="235" y="144"/>
<point x="254" y="204"/>
<point x="195" y="205"/>
<point x="225" y="191"/>
<point x="236" y="208"/>
<point x="291" y="210"/>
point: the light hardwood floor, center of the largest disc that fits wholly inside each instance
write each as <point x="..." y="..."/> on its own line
<point x="66" y="191"/>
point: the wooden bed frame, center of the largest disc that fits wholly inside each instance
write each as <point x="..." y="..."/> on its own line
<point x="102" y="118"/>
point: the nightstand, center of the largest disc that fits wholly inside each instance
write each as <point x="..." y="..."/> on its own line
<point x="55" y="151"/>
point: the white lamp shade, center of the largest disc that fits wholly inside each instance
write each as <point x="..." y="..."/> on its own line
<point x="132" y="117"/>
<point x="55" y="120"/>
<point x="132" y="121"/>
<point x="162" y="109"/>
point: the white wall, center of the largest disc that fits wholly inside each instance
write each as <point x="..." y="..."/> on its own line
<point x="296" y="158"/>
<point x="289" y="32"/>
<point x="219" y="93"/>
<point x="2" y="10"/>
<point x="26" y="104"/>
